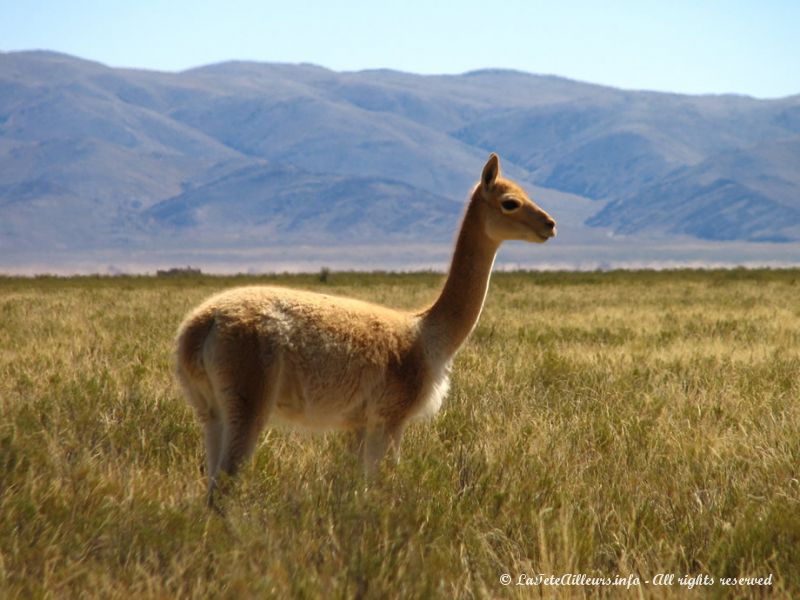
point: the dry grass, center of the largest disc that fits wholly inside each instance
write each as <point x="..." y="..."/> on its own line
<point x="606" y="424"/>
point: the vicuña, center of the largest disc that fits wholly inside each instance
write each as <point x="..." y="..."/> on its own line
<point x="253" y="356"/>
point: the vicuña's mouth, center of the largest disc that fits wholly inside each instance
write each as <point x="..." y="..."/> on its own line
<point x="546" y="235"/>
<point x="538" y="238"/>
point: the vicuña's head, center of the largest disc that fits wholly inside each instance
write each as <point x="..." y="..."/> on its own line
<point x="508" y="212"/>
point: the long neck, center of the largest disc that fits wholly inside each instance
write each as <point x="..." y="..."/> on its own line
<point x="455" y="313"/>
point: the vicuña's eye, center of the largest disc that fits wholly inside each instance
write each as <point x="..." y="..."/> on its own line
<point x="510" y="204"/>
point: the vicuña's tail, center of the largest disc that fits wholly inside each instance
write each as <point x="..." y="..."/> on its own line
<point x="192" y="335"/>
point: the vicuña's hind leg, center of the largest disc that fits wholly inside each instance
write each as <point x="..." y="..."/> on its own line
<point x="241" y="430"/>
<point x="240" y="426"/>
<point x="201" y="398"/>
<point x="240" y="389"/>
<point x="213" y="440"/>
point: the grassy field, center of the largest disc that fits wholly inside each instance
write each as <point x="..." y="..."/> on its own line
<point x="608" y="424"/>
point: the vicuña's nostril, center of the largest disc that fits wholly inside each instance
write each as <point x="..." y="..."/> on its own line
<point x="550" y="224"/>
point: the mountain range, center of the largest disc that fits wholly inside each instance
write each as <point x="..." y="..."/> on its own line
<point x="238" y="155"/>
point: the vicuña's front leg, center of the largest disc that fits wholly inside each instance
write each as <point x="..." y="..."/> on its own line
<point x="357" y="442"/>
<point x="376" y="442"/>
<point x="396" y="436"/>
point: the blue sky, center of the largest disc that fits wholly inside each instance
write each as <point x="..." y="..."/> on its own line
<point x="746" y="47"/>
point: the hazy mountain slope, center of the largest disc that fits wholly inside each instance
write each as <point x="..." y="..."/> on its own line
<point x="242" y="153"/>
<point x="279" y="203"/>
<point x="320" y="135"/>
<point x="752" y="194"/>
<point x="610" y="149"/>
<point x="78" y="163"/>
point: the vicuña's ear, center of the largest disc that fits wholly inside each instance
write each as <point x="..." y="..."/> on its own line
<point x="490" y="172"/>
